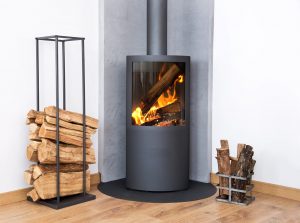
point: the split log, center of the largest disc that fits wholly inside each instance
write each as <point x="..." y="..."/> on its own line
<point x="234" y="170"/>
<point x="30" y="120"/>
<point x="252" y="164"/>
<point x="70" y="183"/>
<point x="39" y="118"/>
<point x="34" y="136"/>
<point x="233" y="165"/>
<point x="168" y="119"/>
<point x="67" y="153"/>
<point x="152" y="122"/>
<point x="72" y="117"/>
<point x="173" y="122"/>
<point x="240" y="147"/>
<point x="32" y="151"/>
<point x="40" y="169"/>
<point x="243" y="167"/>
<point x="34" y="117"/>
<point x="28" y="177"/>
<point x="224" y="164"/>
<point x="171" y="108"/>
<point x="34" y="131"/>
<point x="48" y="133"/>
<point x="251" y="170"/>
<point x="30" y="168"/>
<point x="224" y="168"/>
<point x="171" y="116"/>
<point x="66" y="131"/>
<point x="159" y="87"/>
<point x="69" y="125"/>
<point x="33" y="195"/>
<point x="32" y="114"/>
<point x="163" y="70"/>
<point x="34" y="128"/>
<point x="224" y="143"/>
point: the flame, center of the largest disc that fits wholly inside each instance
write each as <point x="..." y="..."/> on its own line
<point x="180" y="79"/>
<point x="166" y="98"/>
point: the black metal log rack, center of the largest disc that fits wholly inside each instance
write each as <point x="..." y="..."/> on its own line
<point x="62" y="202"/>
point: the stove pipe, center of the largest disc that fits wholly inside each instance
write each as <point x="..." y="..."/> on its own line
<point x="157" y="27"/>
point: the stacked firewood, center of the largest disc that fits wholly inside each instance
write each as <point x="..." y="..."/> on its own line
<point x="42" y="150"/>
<point x="240" y="166"/>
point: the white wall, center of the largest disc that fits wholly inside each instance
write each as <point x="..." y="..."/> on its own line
<point x="256" y="96"/>
<point x="20" y="22"/>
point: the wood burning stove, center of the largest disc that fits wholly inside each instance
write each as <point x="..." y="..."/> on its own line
<point x="157" y="113"/>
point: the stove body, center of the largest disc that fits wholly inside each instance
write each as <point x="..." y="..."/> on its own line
<point x="157" y="112"/>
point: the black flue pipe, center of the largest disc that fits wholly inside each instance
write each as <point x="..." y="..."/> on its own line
<point x="157" y="27"/>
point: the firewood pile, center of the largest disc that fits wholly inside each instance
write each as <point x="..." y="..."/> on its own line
<point x="162" y="105"/>
<point x="41" y="149"/>
<point x="235" y="173"/>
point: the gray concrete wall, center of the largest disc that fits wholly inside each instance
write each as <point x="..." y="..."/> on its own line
<point x="123" y="32"/>
<point x="190" y="27"/>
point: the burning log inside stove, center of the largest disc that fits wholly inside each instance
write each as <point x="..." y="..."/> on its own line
<point x="155" y="92"/>
<point x="171" y="108"/>
<point x="161" y="106"/>
<point x="173" y="122"/>
<point x="166" y="116"/>
<point x="152" y="122"/>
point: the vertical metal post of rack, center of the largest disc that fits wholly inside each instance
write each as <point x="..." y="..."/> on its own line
<point x="61" y="202"/>
<point x="83" y="117"/>
<point x="37" y="74"/>
<point x="229" y="189"/>
<point x="63" y="54"/>
<point x="57" y="124"/>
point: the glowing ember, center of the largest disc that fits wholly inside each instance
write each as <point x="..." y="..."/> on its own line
<point x="166" y="98"/>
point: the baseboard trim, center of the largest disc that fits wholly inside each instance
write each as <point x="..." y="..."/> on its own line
<point x="20" y="195"/>
<point x="268" y="188"/>
<point x="95" y="179"/>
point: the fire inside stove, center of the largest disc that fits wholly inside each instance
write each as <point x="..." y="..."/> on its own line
<point x="158" y="94"/>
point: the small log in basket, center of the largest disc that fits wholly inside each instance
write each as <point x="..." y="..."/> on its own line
<point x="224" y="166"/>
<point x="42" y="149"/>
<point x="235" y="174"/>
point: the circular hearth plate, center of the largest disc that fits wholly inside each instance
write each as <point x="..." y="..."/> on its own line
<point x="196" y="191"/>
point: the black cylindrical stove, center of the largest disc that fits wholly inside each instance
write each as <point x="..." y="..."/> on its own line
<point x="157" y="155"/>
<point x="157" y="112"/>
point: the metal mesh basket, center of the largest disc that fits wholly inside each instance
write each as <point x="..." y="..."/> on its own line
<point x="248" y="198"/>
